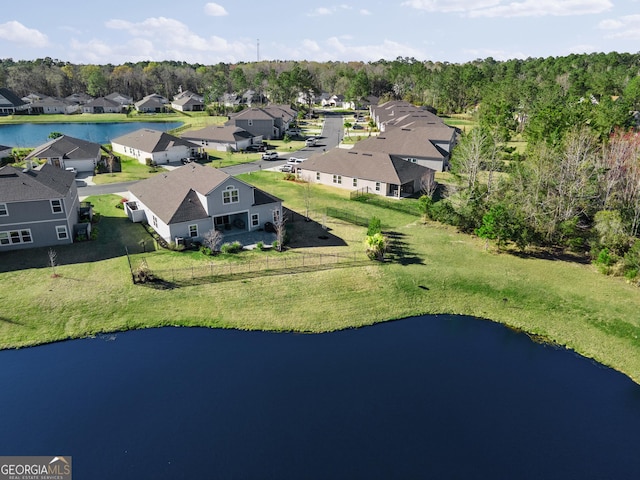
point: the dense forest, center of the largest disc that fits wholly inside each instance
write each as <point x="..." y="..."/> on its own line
<point x="575" y="187"/>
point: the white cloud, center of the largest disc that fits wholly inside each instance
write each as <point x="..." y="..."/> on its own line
<point x="446" y="6"/>
<point x="337" y="49"/>
<point x="627" y="27"/>
<point x="507" y="8"/>
<point x="149" y="41"/>
<point x="319" y="12"/>
<point x="215" y="10"/>
<point x="16" y="32"/>
<point x="542" y="8"/>
<point x="364" y="11"/>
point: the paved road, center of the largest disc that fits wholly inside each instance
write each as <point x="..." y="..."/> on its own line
<point x="332" y="133"/>
<point x="331" y="136"/>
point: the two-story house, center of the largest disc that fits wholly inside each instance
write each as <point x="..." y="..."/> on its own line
<point x="38" y="208"/>
<point x="189" y="201"/>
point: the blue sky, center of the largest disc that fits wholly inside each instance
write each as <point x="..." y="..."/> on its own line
<point x="228" y="31"/>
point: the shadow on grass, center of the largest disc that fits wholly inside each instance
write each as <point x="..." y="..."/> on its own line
<point x="555" y="255"/>
<point x="113" y="235"/>
<point x="398" y="250"/>
<point x="303" y="233"/>
<point x="169" y="284"/>
<point x="10" y="321"/>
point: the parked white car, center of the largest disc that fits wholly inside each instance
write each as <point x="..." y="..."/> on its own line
<point x="311" y="141"/>
<point x="270" y="155"/>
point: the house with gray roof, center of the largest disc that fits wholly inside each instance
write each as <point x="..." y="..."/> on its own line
<point x="38" y="208"/>
<point x="102" y="105"/>
<point x="398" y="113"/>
<point x="53" y="105"/>
<point x="68" y="152"/>
<point x="269" y="122"/>
<point x="154" y="146"/>
<point x="191" y="200"/>
<point x="429" y="146"/>
<point x="124" y="100"/>
<point x="10" y="103"/>
<point x="188" y="101"/>
<point x="153" y="103"/>
<point x="370" y="172"/>
<point x="222" y="138"/>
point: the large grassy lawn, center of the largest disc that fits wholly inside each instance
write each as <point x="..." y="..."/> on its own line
<point x="434" y="270"/>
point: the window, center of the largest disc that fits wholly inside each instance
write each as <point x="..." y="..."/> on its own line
<point x="337" y="179"/>
<point x="412" y="160"/>
<point x="276" y="216"/>
<point x="56" y="206"/>
<point x="62" y="232"/>
<point x="193" y="230"/>
<point x="377" y="186"/>
<point x="255" y="220"/>
<point x="13" y="237"/>
<point x="3" y="210"/>
<point x="230" y="195"/>
<point x="355" y="182"/>
<point x="250" y="122"/>
<point x="154" y="220"/>
<point x="318" y="176"/>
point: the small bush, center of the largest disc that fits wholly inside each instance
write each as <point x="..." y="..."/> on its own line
<point x="260" y="246"/>
<point x="234" y="247"/>
<point x="375" y="226"/>
<point x="205" y="250"/>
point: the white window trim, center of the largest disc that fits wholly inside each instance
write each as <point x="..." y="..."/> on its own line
<point x="62" y="229"/>
<point x="355" y="182"/>
<point x="53" y="209"/>
<point x="228" y="197"/>
<point x="378" y="186"/>
<point x="255" y="220"/>
<point x="4" y="210"/>
<point x="6" y="236"/>
<point x="190" y="233"/>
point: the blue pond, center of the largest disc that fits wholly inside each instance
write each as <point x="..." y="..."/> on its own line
<point x="34" y="134"/>
<point x="437" y="397"/>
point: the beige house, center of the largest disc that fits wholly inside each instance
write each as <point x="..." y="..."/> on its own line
<point x="370" y="172"/>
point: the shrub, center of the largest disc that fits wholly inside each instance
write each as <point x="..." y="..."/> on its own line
<point x="260" y="245"/>
<point x="234" y="247"/>
<point x="376" y="246"/>
<point x="205" y="250"/>
<point x="375" y="226"/>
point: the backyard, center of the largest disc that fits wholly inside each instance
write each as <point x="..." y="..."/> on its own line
<point x="431" y="269"/>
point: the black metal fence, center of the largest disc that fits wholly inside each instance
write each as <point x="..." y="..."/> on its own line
<point x="212" y="272"/>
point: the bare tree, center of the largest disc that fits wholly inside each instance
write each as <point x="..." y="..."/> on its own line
<point x="278" y="225"/>
<point x="213" y="239"/>
<point x="428" y="184"/>
<point x="53" y="260"/>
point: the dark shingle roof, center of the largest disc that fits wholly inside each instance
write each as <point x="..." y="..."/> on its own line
<point x="49" y="182"/>
<point x="218" y="133"/>
<point x="9" y="99"/>
<point x="172" y="195"/>
<point x="409" y="142"/>
<point x="375" y="166"/>
<point x="66" y="147"/>
<point x="149" y="140"/>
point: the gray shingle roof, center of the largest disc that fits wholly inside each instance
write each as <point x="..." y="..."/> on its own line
<point x="47" y="183"/>
<point x="66" y="147"/>
<point x="148" y="140"/>
<point x="171" y="195"/>
<point x="218" y="133"/>
<point x="375" y="166"/>
<point x="9" y="99"/>
<point x="408" y="142"/>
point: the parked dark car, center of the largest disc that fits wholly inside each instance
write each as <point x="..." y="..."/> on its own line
<point x="256" y="148"/>
<point x="186" y="160"/>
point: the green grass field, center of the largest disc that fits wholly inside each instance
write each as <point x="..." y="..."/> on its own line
<point x="437" y="271"/>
